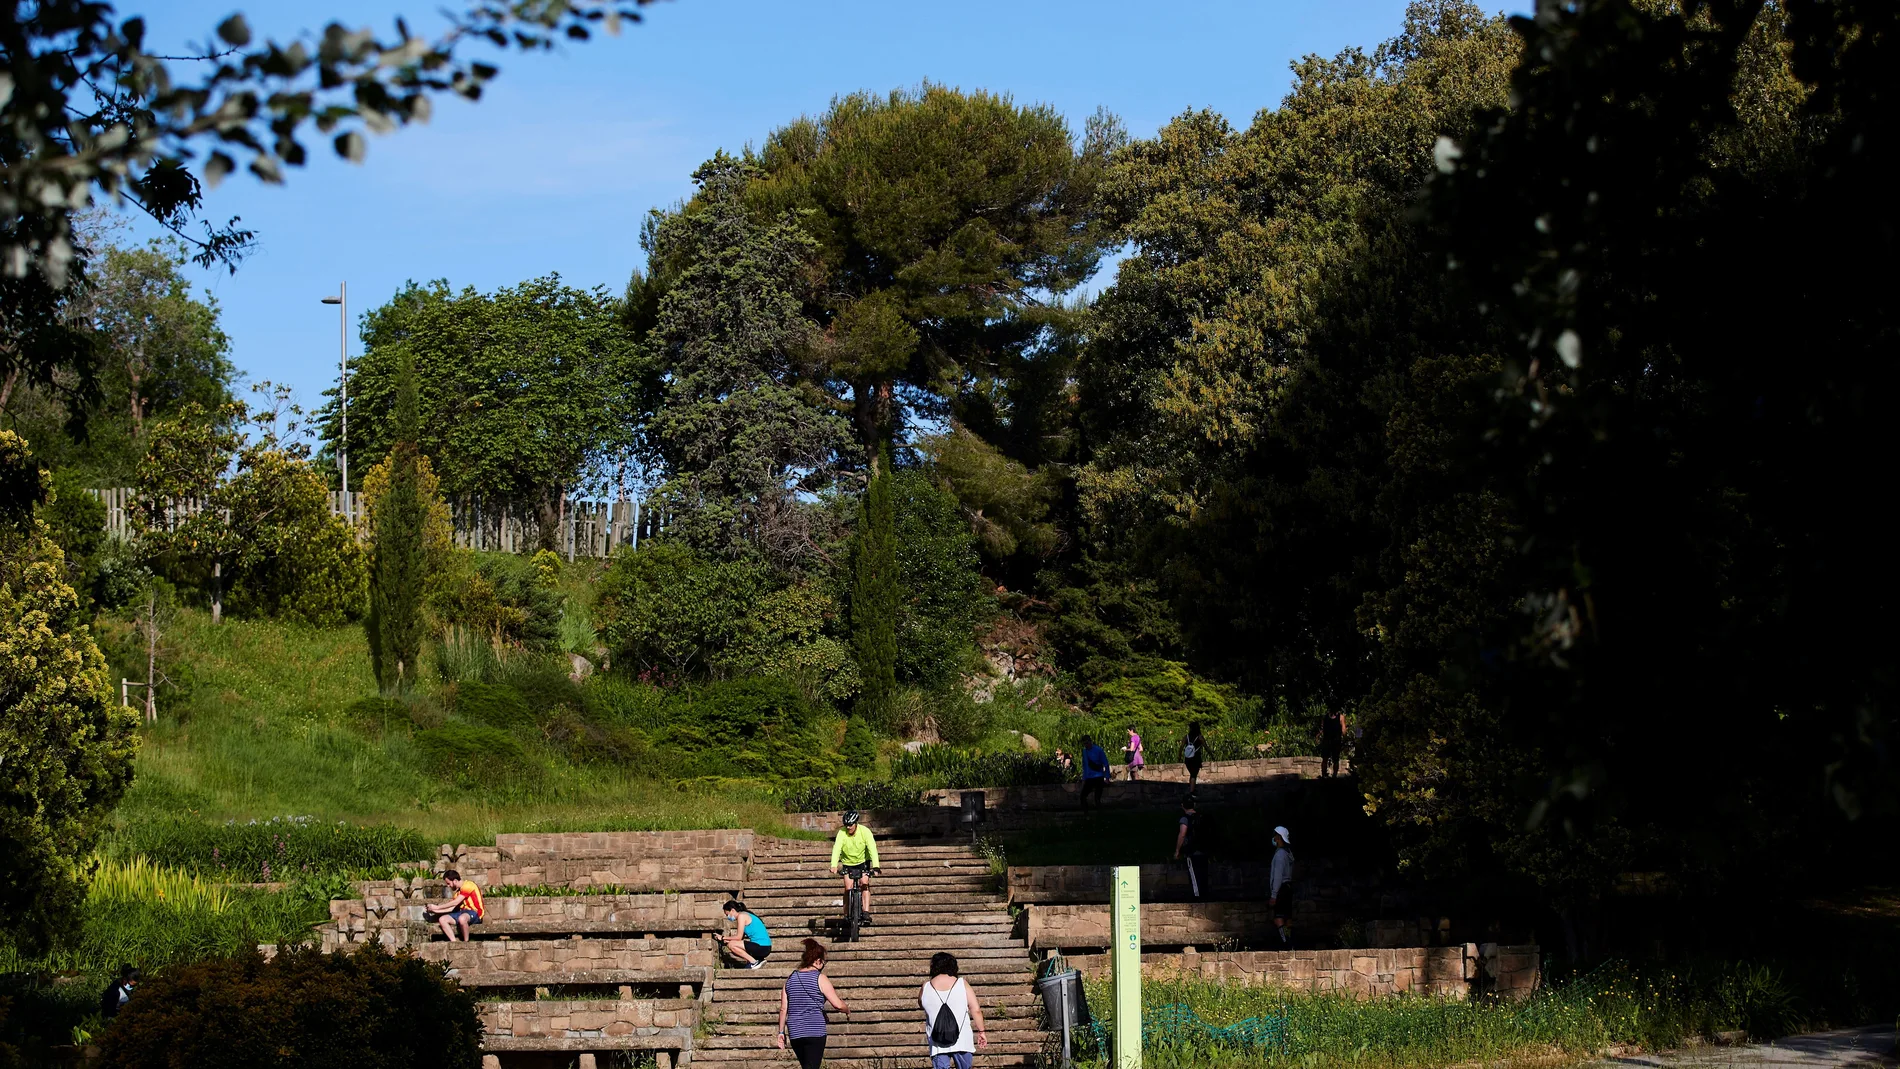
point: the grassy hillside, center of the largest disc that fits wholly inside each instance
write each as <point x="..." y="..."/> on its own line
<point x="264" y="728"/>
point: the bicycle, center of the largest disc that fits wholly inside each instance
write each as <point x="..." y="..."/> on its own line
<point x="853" y="911"/>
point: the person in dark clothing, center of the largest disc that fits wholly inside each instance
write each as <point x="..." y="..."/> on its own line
<point x="1280" y="886"/>
<point x="1094" y="771"/>
<point x="1193" y="752"/>
<point x="1332" y="739"/>
<point x="116" y="996"/>
<point x="1187" y="845"/>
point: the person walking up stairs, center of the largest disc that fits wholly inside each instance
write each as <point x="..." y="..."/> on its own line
<point x="931" y="899"/>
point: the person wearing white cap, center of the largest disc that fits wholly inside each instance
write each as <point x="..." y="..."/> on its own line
<point x="1280" y="886"/>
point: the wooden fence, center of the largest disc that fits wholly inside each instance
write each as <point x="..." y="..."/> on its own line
<point x="584" y="528"/>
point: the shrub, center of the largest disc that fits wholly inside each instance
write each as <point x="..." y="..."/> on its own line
<point x="953" y="769"/>
<point x="279" y="846"/>
<point x="494" y="705"/>
<point x="1156" y="692"/>
<point x="302" y="1008"/>
<point x="766" y="725"/>
<point x="860" y="747"/>
<point x="663" y="608"/>
<point x="960" y="719"/>
<point x="471" y="754"/>
<point x="939" y="597"/>
<point x="864" y="794"/>
<point x="498" y="597"/>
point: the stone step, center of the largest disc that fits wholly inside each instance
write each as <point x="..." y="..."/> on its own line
<point x="911" y="1055"/>
<point x="846" y="1030"/>
<point x="913" y="884"/>
<point x="821" y="867"/>
<point x="1009" y="1003"/>
<point x="815" y="904"/>
<point x="735" y="984"/>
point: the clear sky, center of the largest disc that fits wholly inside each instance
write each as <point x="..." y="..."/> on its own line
<point x="556" y="166"/>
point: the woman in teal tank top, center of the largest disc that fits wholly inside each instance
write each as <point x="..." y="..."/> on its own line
<point x="751" y="944"/>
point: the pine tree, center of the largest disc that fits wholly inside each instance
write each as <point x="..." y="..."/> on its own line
<point x="874" y="595"/>
<point x="398" y="565"/>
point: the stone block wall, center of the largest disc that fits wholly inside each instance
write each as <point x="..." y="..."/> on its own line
<point x="491" y="867"/>
<point x="624" y="844"/>
<point x="590" y="1019"/>
<point x="392" y="914"/>
<point x="1162" y="924"/>
<point x="1446" y="972"/>
<point x="556" y="956"/>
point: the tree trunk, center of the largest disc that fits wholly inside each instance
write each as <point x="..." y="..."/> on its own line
<point x="6" y="389"/>
<point x="138" y="408"/>
<point x="217" y="592"/>
<point x="151" y="659"/>
<point x="547" y="514"/>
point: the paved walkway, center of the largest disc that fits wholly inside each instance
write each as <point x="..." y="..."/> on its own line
<point x="1858" y="1048"/>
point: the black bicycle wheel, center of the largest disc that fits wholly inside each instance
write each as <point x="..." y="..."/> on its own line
<point x="853" y="914"/>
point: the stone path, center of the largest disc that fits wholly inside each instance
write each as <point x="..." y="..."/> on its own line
<point x="1848" y="1048"/>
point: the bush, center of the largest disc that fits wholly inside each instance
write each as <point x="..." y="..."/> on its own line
<point x="367" y="1010"/>
<point x="472" y="754"/>
<point x="860" y="746"/>
<point x="260" y="850"/>
<point x="493" y="705"/>
<point x="1155" y="693"/>
<point x="864" y="794"/>
<point x="664" y="610"/>
<point x="766" y="725"/>
<point x="940" y="599"/>
<point x="949" y="768"/>
<point x="499" y="598"/>
<point x="960" y="719"/>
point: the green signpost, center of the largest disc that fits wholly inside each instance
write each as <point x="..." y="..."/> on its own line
<point x="1124" y="917"/>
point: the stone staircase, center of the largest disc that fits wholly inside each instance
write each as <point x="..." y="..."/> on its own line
<point x="929" y="898"/>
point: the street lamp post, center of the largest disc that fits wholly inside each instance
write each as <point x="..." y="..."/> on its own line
<point x="341" y="300"/>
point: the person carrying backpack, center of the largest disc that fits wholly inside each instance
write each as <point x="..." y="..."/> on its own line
<point x="952" y="1015"/>
<point x="1187" y="845"/>
<point x="116" y="996"/>
<point x="1094" y="771"/>
<point x="1193" y="752"/>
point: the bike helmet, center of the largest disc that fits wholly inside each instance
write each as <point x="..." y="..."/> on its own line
<point x="850" y="816"/>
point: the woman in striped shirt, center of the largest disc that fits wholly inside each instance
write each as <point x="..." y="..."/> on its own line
<point x="801" y="1007"/>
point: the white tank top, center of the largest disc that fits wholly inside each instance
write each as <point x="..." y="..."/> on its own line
<point x="959" y="1004"/>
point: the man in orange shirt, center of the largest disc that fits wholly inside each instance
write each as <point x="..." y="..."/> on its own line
<point x="463" y="909"/>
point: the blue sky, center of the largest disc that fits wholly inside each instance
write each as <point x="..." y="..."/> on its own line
<point x="555" y="168"/>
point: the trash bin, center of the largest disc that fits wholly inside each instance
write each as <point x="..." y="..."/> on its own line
<point x="1065" y="1003"/>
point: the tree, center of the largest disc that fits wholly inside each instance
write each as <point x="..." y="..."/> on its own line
<point x="743" y="424"/>
<point x="398" y="559"/>
<point x="87" y="112"/>
<point x="65" y="748"/>
<point x="248" y="517"/>
<point x="523" y="393"/>
<point x="874" y="595"/>
<point x="939" y="601"/>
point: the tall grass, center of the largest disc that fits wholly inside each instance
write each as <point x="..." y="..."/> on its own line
<point x="268" y="732"/>
<point x="1654" y="1007"/>
<point x="138" y="913"/>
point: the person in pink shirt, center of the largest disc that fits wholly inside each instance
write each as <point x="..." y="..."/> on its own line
<point x="1133" y="750"/>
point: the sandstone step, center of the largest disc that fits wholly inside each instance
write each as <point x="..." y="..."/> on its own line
<point x="735" y="985"/>
<point x="911" y="1055"/>
<point x="849" y="1027"/>
<point x="821" y="867"/>
<point x="911" y="883"/>
<point x="1008" y="1003"/>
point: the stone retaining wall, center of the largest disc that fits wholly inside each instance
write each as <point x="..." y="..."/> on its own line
<point x="593" y="1018"/>
<point x="1447" y="972"/>
<point x="624" y="844"/>
<point x="1162" y="924"/>
<point x="490" y="866"/>
<point x="571" y="955"/>
<point x="391" y="913"/>
<point x="1216" y="776"/>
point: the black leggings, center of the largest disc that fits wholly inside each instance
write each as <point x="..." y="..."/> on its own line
<point x="810" y="1051"/>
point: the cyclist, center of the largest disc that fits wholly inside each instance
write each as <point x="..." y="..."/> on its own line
<point x="855" y="849"/>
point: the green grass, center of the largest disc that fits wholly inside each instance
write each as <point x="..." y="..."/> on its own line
<point x="1653" y="1007"/>
<point x="265" y="732"/>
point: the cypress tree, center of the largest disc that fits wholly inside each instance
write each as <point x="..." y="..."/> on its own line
<point x="874" y="595"/>
<point x="397" y="563"/>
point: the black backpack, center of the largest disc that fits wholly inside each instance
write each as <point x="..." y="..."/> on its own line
<point x="944" y="1031"/>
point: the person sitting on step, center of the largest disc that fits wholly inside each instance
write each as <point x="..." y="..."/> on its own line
<point x="855" y="849"/>
<point x="748" y="941"/>
<point x="463" y="908"/>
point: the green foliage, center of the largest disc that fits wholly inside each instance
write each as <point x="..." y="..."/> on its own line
<point x="496" y="705"/>
<point x="76" y="521"/>
<point x="522" y="390"/>
<point x="874" y="595"/>
<point x="497" y="598"/>
<point x="469" y="755"/>
<point x="262" y="850"/>
<point x="957" y="769"/>
<point x="666" y="610"/>
<point x="860" y="794"/>
<point x="158" y="349"/>
<point x="1165" y="694"/>
<point x="761" y="725"/>
<point x="859" y="749"/>
<point x="68" y="747"/>
<point x="743" y="422"/>
<point x="939" y="599"/>
<point x="1011" y="507"/>
<point x="302" y="1007"/>
<point x="398" y="557"/>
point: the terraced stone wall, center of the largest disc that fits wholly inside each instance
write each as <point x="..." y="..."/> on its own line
<point x="1446" y="972"/>
<point x="592" y="1019"/>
